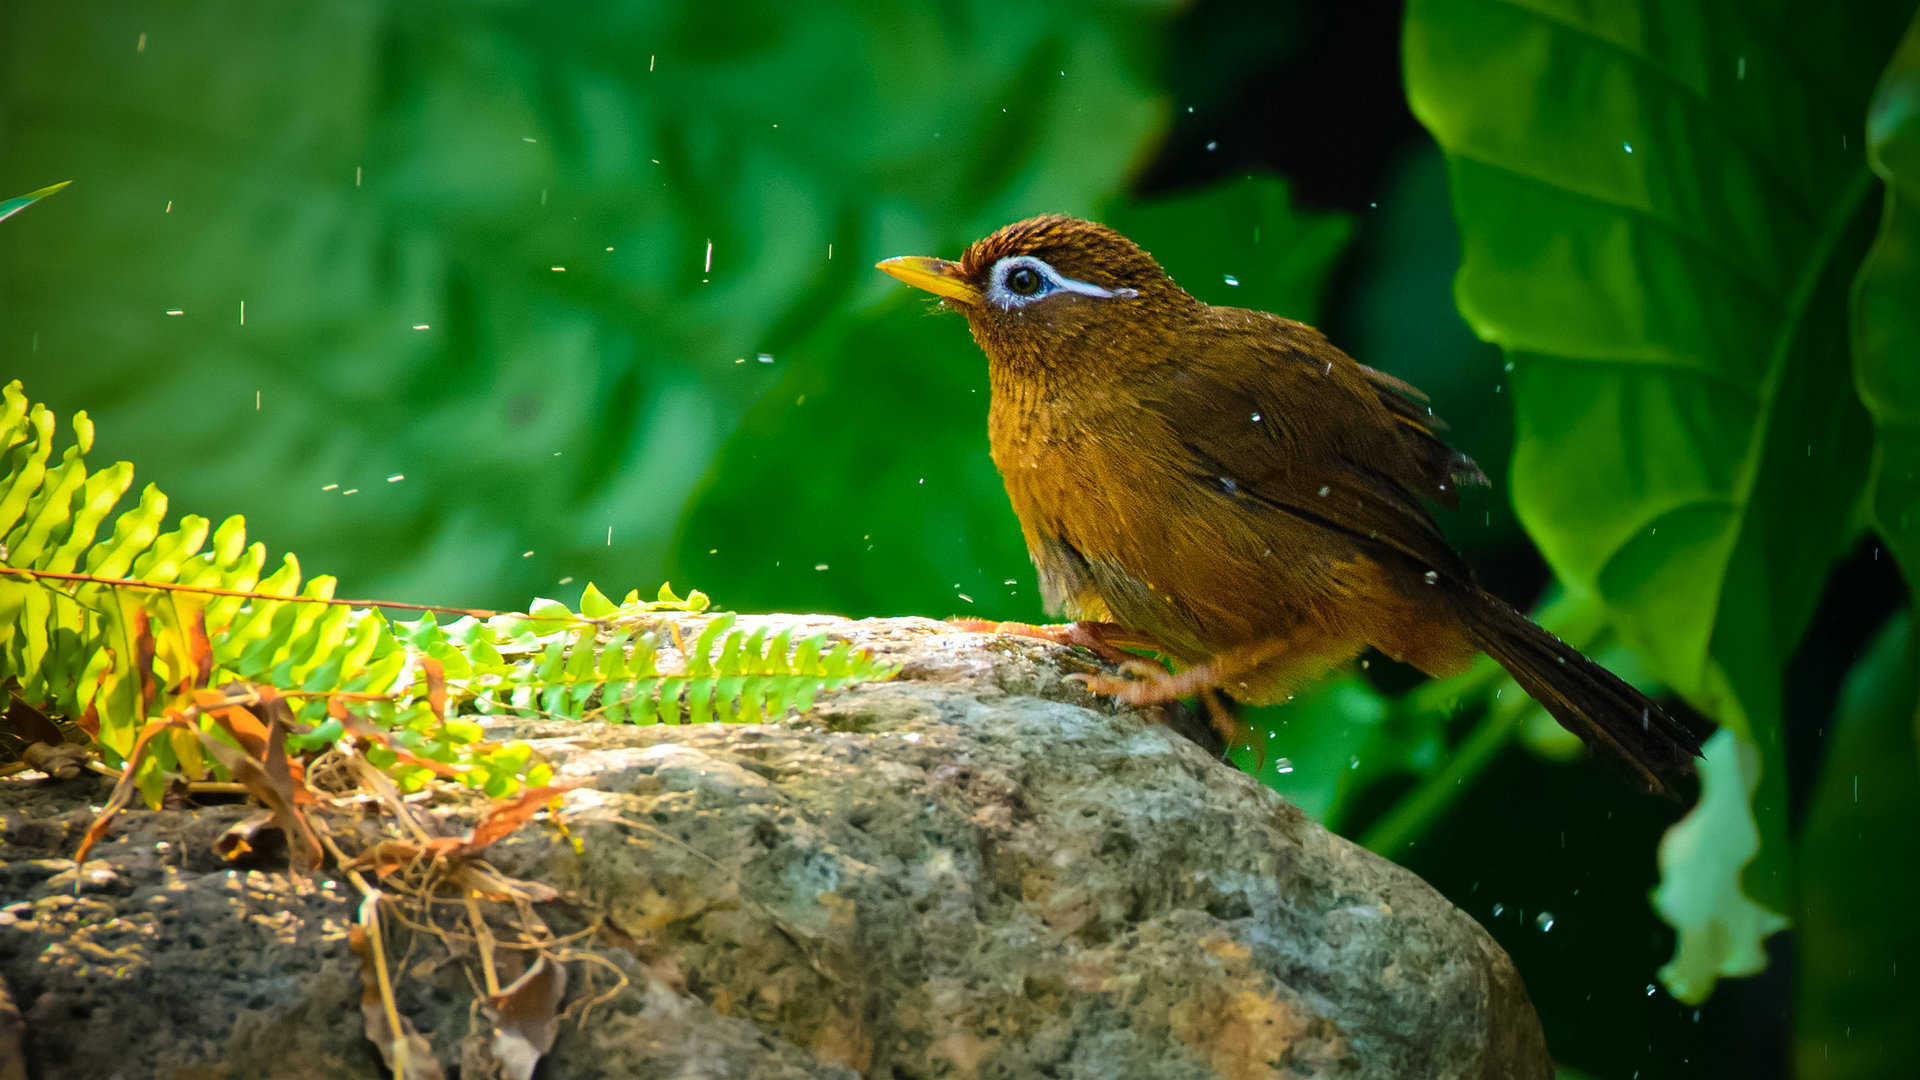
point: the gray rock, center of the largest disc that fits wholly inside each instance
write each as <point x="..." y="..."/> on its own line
<point x="975" y="870"/>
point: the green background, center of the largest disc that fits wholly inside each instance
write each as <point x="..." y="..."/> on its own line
<point x="537" y="296"/>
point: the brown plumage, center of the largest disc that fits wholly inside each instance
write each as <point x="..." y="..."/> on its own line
<point x="1231" y="486"/>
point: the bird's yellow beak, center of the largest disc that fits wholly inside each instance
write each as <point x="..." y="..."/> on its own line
<point x="937" y="276"/>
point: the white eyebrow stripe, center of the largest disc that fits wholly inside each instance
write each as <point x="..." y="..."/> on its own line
<point x="1084" y="288"/>
<point x="1004" y="298"/>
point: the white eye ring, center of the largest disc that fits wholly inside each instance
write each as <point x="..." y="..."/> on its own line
<point x="1051" y="281"/>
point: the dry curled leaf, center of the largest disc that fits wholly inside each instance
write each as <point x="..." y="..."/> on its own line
<point x="257" y="834"/>
<point x="62" y="761"/>
<point x="525" y="1017"/>
<point x="27" y="723"/>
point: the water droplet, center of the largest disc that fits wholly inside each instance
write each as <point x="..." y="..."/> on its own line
<point x="1499" y="910"/>
<point x="820" y="566"/>
<point x="1651" y="989"/>
<point x="1627" y="146"/>
<point x="1544" y="921"/>
<point x="1231" y="280"/>
<point x="1256" y="418"/>
<point x="765" y="358"/>
<point x="1433" y="577"/>
<point x="1282" y="766"/>
<point x="1353" y="762"/>
<point x="1324" y="489"/>
<point x="1212" y="146"/>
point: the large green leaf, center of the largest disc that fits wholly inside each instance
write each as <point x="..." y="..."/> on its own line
<point x="1859" y="945"/>
<point x="1701" y="860"/>
<point x="1662" y="206"/>
<point x="716" y="181"/>
<point x="1660" y="220"/>
<point x="1886" y="330"/>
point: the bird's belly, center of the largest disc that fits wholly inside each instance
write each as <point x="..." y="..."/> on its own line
<point x="1198" y="581"/>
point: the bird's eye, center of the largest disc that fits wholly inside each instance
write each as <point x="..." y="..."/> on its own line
<point x="1019" y="280"/>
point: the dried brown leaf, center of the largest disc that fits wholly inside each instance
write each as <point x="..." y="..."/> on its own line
<point x="251" y="834"/>
<point x="505" y="816"/>
<point x="143" y="654"/>
<point x="29" y="724"/>
<point x="123" y="790"/>
<point x="526" y="1019"/>
<point x="278" y="796"/>
<point x="436" y="676"/>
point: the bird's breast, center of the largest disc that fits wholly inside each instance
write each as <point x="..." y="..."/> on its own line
<point x="1121" y="527"/>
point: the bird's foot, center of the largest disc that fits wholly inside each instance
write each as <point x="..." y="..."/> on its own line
<point x="1141" y="683"/>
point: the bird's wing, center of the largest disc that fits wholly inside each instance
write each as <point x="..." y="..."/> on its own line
<point x="1286" y="423"/>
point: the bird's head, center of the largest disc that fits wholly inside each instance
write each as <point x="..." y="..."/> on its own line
<point x="1051" y="289"/>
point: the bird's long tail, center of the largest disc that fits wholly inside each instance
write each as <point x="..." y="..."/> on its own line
<point x="1587" y="699"/>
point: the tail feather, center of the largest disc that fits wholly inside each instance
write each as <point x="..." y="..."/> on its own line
<point x="1587" y="699"/>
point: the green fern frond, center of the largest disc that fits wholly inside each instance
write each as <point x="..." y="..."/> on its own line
<point x="106" y="631"/>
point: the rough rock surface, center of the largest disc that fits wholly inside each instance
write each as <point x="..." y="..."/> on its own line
<point x="972" y="871"/>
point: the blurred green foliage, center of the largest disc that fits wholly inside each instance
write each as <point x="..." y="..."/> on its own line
<point x="391" y="189"/>
<point x="1886" y="333"/>
<point x="1662" y="217"/>
<point x="1860" y="856"/>
<point x="533" y="299"/>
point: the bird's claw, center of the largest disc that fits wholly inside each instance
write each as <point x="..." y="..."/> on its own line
<point x="1138" y="682"/>
<point x="1101" y="684"/>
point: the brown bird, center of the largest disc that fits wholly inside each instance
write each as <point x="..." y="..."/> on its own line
<point x="1228" y="488"/>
